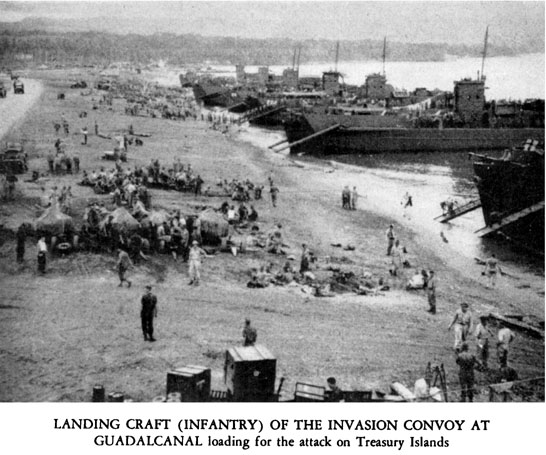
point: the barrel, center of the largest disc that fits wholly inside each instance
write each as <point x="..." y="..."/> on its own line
<point x="116" y="397"/>
<point x="98" y="394"/>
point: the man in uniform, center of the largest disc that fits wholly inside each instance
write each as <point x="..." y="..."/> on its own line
<point x="249" y="334"/>
<point x="466" y="362"/>
<point x="504" y="338"/>
<point x="491" y="270"/>
<point x="274" y="192"/>
<point x="305" y="259"/>
<point x="431" y="292"/>
<point x="390" y="239"/>
<point x="147" y="314"/>
<point x="482" y="342"/>
<point x="10" y="181"/>
<point x="124" y="262"/>
<point x="462" y="323"/>
<point x="51" y="161"/>
<point x="346" y="197"/>
<point x="334" y="394"/>
<point x="195" y="255"/>
<point x="84" y="133"/>
<point x="21" y="238"/>
<point x="42" y="255"/>
<point x="354" y="198"/>
<point x="76" y="161"/>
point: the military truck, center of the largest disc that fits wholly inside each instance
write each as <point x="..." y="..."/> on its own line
<point x="18" y="87"/>
<point x="13" y="159"/>
<point x="3" y="91"/>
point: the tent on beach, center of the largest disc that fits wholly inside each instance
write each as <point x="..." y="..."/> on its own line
<point x="122" y="220"/>
<point x="213" y="226"/>
<point x="53" y="221"/>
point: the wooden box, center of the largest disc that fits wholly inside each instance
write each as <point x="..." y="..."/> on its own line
<point x="308" y="392"/>
<point x="191" y="381"/>
<point x="249" y="373"/>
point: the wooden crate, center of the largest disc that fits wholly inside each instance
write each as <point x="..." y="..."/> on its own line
<point x="309" y="393"/>
<point x="191" y="381"/>
<point x="249" y="373"/>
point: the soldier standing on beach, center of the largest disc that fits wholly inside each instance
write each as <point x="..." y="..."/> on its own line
<point x="491" y="270"/>
<point x="195" y="255"/>
<point x="42" y="255"/>
<point x="504" y="338"/>
<point x="431" y="292"/>
<point x="466" y="362"/>
<point x="124" y="262"/>
<point x="346" y="197"/>
<point x="305" y="259"/>
<point x="51" y="161"/>
<point x="462" y="323"/>
<point x="21" y="238"/>
<point x="147" y="314"/>
<point x="482" y="342"/>
<point x="250" y="335"/>
<point x="274" y="192"/>
<point x="76" y="161"/>
<point x="354" y="198"/>
<point x="390" y="239"/>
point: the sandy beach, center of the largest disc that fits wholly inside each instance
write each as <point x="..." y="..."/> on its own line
<point x="62" y="333"/>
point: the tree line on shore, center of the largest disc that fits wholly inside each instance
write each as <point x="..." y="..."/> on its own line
<point x="45" y="46"/>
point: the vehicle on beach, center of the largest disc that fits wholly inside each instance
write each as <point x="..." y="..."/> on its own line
<point x="104" y="84"/>
<point x="18" y="87"/>
<point x="13" y="159"/>
<point x="79" y="84"/>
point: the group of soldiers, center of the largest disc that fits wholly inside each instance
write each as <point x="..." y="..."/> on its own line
<point x="61" y="161"/>
<point x="349" y="198"/>
<point x="177" y="177"/>
<point x="462" y="324"/>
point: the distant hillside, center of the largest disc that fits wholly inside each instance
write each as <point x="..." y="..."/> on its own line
<point x="42" y="41"/>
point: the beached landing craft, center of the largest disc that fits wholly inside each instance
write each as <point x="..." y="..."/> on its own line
<point x="470" y="126"/>
<point x="511" y="190"/>
<point x="443" y="121"/>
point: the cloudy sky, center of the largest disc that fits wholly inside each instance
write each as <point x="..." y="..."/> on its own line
<point x="410" y="21"/>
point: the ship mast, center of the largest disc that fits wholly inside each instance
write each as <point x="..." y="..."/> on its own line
<point x="384" y="53"/>
<point x="484" y="51"/>
<point x="294" y="58"/>
<point x="337" y="54"/>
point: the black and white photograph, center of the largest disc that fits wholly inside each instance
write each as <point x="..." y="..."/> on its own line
<point x="271" y="202"/>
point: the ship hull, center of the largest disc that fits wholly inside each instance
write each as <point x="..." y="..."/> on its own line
<point x="506" y="188"/>
<point x="378" y="134"/>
